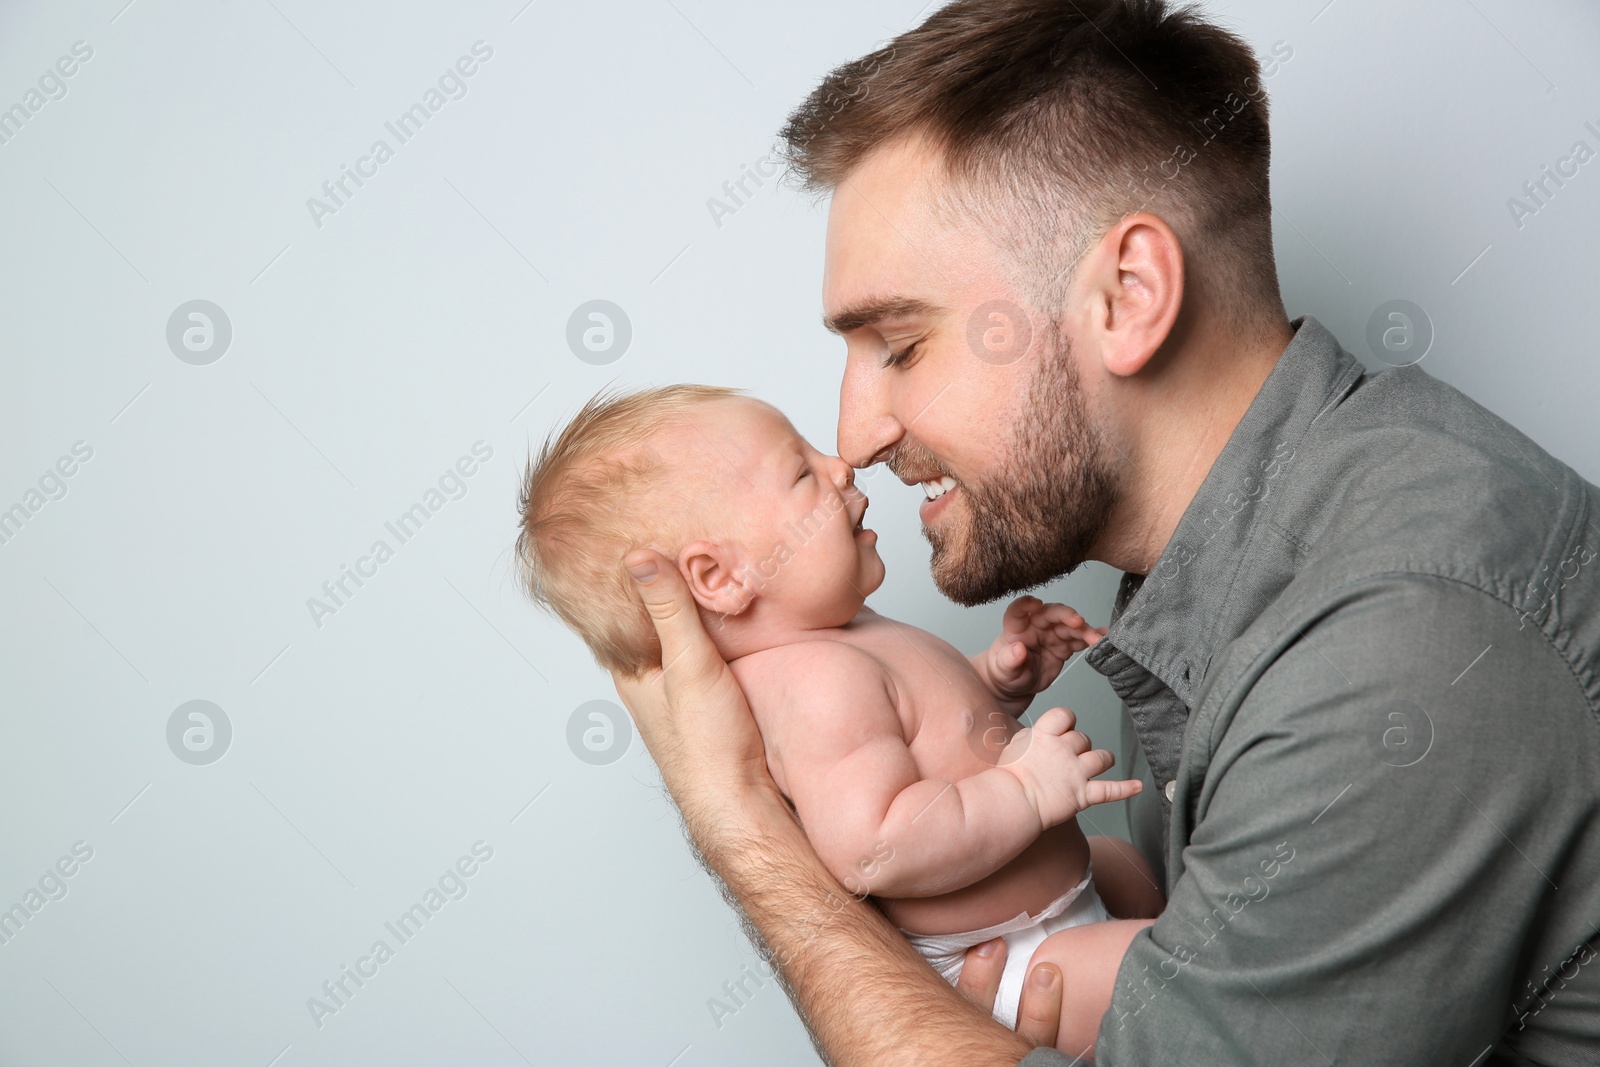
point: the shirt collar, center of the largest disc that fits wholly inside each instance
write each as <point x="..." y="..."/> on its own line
<point x="1172" y="621"/>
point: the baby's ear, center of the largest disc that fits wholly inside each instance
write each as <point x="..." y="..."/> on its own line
<point x="712" y="572"/>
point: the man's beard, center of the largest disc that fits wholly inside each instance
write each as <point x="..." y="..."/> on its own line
<point x="1037" y="518"/>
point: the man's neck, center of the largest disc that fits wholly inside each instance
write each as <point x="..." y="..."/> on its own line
<point x="1177" y="426"/>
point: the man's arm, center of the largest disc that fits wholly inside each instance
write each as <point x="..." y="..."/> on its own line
<point x="878" y="824"/>
<point x="1383" y="797"/>
<point x="864" y="994"/>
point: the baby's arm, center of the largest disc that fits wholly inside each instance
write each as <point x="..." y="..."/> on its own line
<point x="1125" y="882"/>
<point x="878" y="825"/>
<point x="1036" y="640"/>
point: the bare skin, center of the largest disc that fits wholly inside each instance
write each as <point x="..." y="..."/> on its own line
<point x="1166" y="373"/>
<point x="904" y="758"/>
<point x="828" y="945"/>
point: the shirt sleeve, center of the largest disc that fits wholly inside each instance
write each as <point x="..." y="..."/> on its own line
<point x="1378" y="813"/>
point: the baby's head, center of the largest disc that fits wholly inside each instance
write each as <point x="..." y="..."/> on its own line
<point x="762" y="526"/>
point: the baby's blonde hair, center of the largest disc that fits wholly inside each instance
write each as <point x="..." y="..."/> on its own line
<point x="595" y="492"/>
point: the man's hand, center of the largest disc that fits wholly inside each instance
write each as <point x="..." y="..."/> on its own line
<point x="691" y="713"/>
<point x="1036" y="640"/>
<point x="1038" y="1014"/>
<point x="854" y="978"/>
<point x="1057" y="769"/>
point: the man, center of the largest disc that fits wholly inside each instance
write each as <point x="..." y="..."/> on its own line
<point x="1359" y="631"/>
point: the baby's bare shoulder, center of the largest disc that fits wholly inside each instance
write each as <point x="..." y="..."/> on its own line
<point x="811" y="672"/>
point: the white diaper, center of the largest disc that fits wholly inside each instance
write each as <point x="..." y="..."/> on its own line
<point x="1023" y="935"/>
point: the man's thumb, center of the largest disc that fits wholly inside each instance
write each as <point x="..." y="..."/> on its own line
<point x="684" y="644"/>
<point x="662" y="590"/>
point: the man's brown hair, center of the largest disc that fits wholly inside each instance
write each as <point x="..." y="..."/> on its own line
<point x="1057" y="118"/>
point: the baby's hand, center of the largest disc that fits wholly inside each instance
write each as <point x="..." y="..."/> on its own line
<point x="1058" y="770"/>
<point x="1036" y="640"/>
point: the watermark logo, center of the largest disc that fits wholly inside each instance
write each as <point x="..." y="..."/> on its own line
<point x="1541" y="189"/>
<point x="450" y="886"/>
<point x="52" y="86"/>
<point x="199" y="732"/>
<point x="599" y="332"/>
<point x="51" y="886"/>
<point x="338" y="191"/>
<point x="1543" y="590"/>
<point x="52" y="486"/>
<point x="1399" y="333"/>
<point x="338" y="591"/>
<point x="737" y="192"/>
<point x="1145" y="987"/>
<point x="999" y="332"/>
<point x="989" y="731"/>
<point x="1404" y="734"/>
<point x="1179" y="554"/>
<point x="599" y="732"/>
<point x="199" y="332"/>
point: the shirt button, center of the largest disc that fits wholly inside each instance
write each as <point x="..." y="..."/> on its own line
<point x="1171" y="790"/>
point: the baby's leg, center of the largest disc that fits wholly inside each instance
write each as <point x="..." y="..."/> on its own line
<point x="1087" y="957"/>
<point x="1124" y="880"/>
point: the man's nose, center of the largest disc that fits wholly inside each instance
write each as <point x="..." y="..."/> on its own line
<point x="867" y="429"/>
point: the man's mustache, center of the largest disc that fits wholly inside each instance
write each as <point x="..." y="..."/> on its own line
<point x="911" y="460"/>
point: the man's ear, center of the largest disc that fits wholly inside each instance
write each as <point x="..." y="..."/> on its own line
<point x="1136" y="291"/>
<point x="711" y="571"/>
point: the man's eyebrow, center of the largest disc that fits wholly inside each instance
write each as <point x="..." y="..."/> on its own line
<point x="872" y="311"/>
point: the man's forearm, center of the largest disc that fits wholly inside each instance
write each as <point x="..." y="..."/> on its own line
<point x="855" y="981"/>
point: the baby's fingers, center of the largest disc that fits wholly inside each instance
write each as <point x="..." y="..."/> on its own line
<point x="1019" y="614"/>
<point x="1099" y="792"/>
<point x="1095" y="762"/>
<point x="1057" y="721"/>
<point x="1061" y="615"/>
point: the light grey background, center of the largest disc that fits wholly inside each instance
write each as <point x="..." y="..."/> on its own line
<point x="429" y="313"/>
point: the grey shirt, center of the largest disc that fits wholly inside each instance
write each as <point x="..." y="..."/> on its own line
<point x="1366" y="676"/>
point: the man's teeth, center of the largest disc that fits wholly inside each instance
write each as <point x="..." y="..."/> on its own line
<point x="938" y="487"/>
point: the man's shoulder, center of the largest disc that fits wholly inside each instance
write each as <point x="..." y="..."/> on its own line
<point x="1409" y="454"/>
<point x="1410" y="476"/>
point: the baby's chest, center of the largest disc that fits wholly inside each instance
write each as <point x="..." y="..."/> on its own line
<point x="952" y="724"/>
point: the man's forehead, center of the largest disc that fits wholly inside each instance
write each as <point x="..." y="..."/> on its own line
<point x="891" y="238"/>
<point x="891" y="190"/>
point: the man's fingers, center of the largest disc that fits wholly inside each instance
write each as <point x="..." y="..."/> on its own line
<point x="980" y="975"/>
<point x="687" y="654"/>
<point x="1039" y="1013"/>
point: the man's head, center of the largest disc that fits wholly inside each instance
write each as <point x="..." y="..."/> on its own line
<point x="765" y="529"/>
<point x="1036" y="205"/>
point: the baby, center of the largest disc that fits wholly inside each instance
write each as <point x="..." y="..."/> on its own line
<point x="901" y="757"/>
